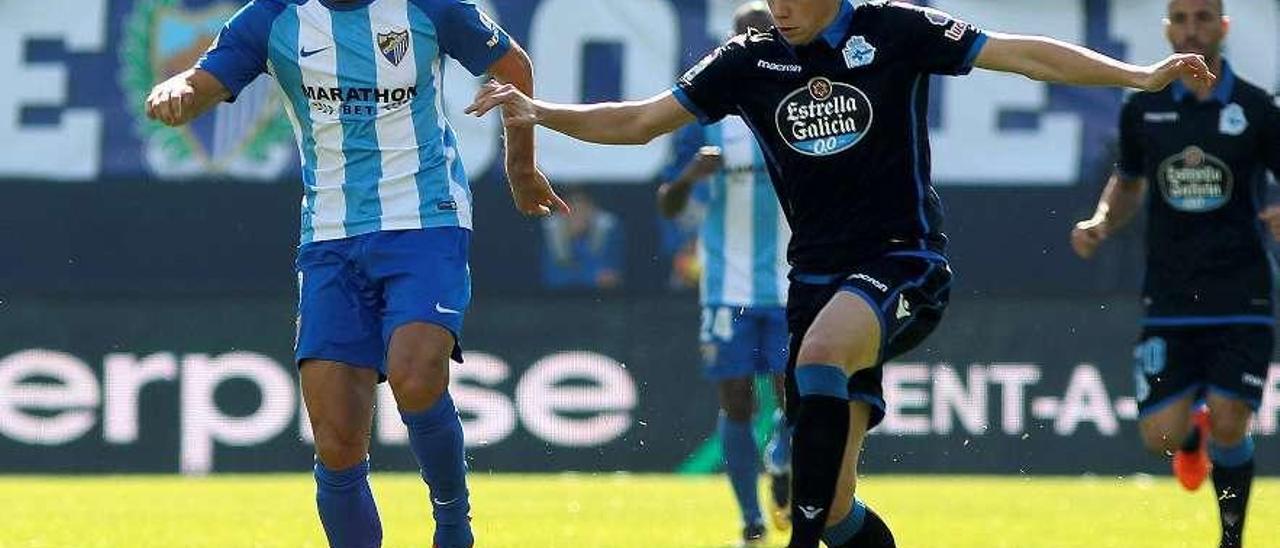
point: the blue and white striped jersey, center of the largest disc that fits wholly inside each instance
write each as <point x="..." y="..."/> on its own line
<point x="362" y="85"/>
<point x="742" y="243"/>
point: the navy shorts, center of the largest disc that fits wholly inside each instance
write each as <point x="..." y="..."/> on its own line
<point x="353" y="293"/>
<point x="739" y="342"/>
<point x="1172" y="363"/>
<point x="909" y="291"/>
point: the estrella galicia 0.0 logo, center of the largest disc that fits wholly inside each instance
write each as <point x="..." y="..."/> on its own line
<point x="824" y="117"/>
<point x="1195" y="181"/>
<point x="249" y="139"/>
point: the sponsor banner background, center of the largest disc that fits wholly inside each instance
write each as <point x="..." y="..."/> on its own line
<point x="1034" y="386"/>
<point x="131" y="252"/>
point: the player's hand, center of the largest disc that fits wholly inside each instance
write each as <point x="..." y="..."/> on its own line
<point x="172" y="102"/>
<point x="708" y="161"/>
<point x="1087" y="236"/>
<point x="1271" y="216"/>
<point x="1161" y="74"/>
<point x="518" y="109"/>
<point x="533" y="195"/>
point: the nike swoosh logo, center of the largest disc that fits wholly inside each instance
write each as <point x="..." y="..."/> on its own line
<point x="444" y="310"/>
<point x="304" y="53"/>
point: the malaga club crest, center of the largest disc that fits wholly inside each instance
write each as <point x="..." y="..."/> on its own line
<point x="394" y="45"/>
<point x="824" y="118"/>
<point x="248" y="139"/>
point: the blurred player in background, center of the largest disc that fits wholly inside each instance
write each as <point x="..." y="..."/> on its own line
<point x="386" y="221"/>
<point x="837" y="95"/>
<point x="1200" y="151"/>
<point x="743" y="287"/>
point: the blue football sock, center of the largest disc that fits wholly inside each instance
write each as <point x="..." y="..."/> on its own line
<point x="778" y="451"/>
<point x="742" y="462"/>
<point x="346" y="506"/>
<point x="435" y="436"/>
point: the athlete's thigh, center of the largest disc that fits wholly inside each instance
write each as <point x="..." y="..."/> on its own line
<point x="339" y="400"/>
<point x="338" y="309"/>
<point x="846" y="333"/>
<point x="805" y="299"/>
<point x="425" y="279"/>
<point x="908" y="292"/>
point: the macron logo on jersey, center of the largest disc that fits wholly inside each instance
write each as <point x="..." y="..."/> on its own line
<point x="779" y="67"/>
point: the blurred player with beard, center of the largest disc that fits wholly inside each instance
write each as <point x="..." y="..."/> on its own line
<point x="1198" y="152"/>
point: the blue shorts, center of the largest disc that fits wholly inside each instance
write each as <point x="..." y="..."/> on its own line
<point x="353" y="293"/>
<point x="739" y="342"/>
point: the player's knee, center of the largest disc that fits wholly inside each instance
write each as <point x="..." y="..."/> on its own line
<point x="419" y="384"/>
<point x="339" y="450"/>
<point x="827" y="350"/>
<point x="1228" y="425"/>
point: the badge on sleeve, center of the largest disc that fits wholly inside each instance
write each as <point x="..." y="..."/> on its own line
<point x="1233" y="121"/>
<point x="858" y="52"/>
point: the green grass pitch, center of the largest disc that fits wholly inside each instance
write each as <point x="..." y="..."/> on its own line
<point x="614" y="510"/>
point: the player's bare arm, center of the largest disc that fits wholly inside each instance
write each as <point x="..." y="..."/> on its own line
<point x="1050" y="60"/>
<point x="626" y="123"/>
<point x="184" y="97"/>
<point x="1119" y="203"/>
<point x="530" y="189"/>
<point x="673" y="196"/>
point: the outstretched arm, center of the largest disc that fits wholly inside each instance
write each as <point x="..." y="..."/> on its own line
<point x="530" y="189"/>
<point x="629" y="123"/>
<point x="1050" y="60"/>
<point x="1119" y="203"/>
<point x="185" y="97"/>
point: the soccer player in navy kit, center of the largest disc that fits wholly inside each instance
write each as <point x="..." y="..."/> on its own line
<point x="386" y="221"/>
<point x="837" y="95"/>
<point x="1199" y="153"/>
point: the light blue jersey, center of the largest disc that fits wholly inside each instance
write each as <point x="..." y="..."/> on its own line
<point x="362" y="86"/>
<point x="742" y="243"/>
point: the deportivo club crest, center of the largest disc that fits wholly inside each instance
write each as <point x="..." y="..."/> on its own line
<point x="858" y="52"/>
<point x="394" y="45"/>
<point x="249" y="139"/>
<point x="1232" y="121"/>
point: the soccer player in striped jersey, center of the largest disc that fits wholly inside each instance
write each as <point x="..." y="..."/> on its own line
<point x="742" y="247"/>
<point x="386" y="221"/>
<point x="836" y="94"/>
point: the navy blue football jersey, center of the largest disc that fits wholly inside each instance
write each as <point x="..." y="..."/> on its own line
<point x="842" y="121"/>
<point x="1205" y="163"/>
